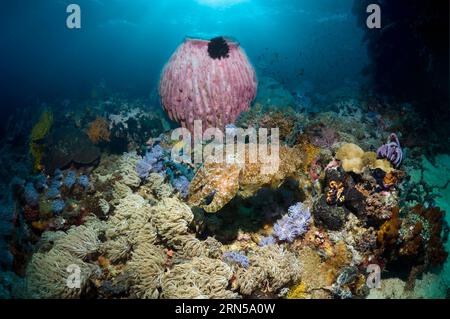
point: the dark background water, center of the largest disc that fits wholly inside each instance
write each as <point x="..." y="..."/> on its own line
<point x="124" y="44"/>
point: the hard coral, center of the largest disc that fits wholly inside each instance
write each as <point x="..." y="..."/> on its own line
<point x="98" y="131"/>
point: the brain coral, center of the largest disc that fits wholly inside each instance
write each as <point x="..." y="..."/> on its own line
<point x="201" y="83"/>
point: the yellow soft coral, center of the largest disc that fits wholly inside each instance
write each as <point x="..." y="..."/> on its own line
<point x="38" y="132"/>
<point x="219" y="183"/>
<point x="298" y="291"/>
<point x="354" y="159"/>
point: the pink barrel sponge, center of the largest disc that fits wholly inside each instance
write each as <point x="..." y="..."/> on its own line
<point x="212" y="81"/>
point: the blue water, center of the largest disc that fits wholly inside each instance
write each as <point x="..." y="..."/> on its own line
<point x="125" y="43"/>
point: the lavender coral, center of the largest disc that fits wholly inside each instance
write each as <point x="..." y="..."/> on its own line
<point x="391" y="151"/>
<point x="181" y="184"/>
<point x="235" y="258"/>
<point x="294" y="224"/>
<point x="152" y="161"/>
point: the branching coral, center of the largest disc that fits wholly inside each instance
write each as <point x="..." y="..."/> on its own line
<point x="98" y="131"/>
<point x="223" y="181"/>
<point x="200" y="278"/>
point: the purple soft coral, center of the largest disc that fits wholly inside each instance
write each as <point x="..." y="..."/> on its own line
<point x="181" y="184"/>
<point x="236" y="258"/>
<point x="391" y="151"/>
<point x="294" y="224"/>
<point x="151" y="162"/>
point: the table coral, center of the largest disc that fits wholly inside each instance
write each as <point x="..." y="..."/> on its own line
<point x="223" y="181"/>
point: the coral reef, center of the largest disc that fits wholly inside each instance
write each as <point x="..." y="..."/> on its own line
<point x="137" y="224"/>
